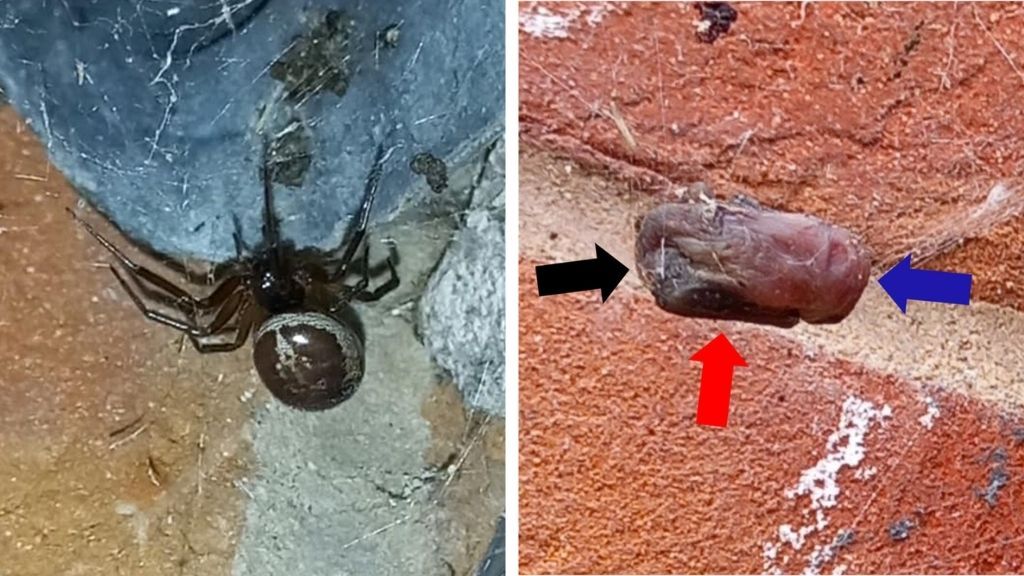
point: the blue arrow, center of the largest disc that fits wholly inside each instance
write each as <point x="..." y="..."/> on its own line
<point x="904" y="283"/>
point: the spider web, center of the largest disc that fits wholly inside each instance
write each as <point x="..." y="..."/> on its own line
<point x="156" y="111"/>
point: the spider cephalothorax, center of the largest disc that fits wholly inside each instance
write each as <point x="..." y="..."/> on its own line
<point x="305" y="353"/>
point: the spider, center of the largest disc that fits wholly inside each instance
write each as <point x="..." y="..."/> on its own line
<point x="305" y="353"/>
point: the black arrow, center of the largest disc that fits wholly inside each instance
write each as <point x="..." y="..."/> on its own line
<point x="604" y="272"/>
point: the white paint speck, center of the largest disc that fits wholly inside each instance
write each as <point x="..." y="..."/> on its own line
<point x="173" y="11"/>
<point x="540" y="22"/>
<point x="795" y="538"/>
<point x="556" y="21"/>
<point x="598" y="12"/>
<point x="81" y="74"/>
<point x="844" y="448"/>
<point x="139" y="520"/>
<point x="865" y="473"/>
<point x="933" y="412"/>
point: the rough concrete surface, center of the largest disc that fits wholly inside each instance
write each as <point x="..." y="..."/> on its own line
<point x="125" y="452"/>
<point x="119" y="447"/>
<point x="462" y="314"/>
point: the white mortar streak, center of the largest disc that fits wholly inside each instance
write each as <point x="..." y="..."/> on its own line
<point x="821" y="482"/>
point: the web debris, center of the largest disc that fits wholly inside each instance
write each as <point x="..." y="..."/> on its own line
<point x="1001" y="203"/>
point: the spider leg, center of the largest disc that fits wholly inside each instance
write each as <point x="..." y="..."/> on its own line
<point x="236" y="236"/>
<point x="359" y="232"/>
<point x="232" y="308"/>
<point x="344" y="297"/>
<point x="346" y="292"/>
<point x="378" y="292"/>
<point x="241" y="335"/>
<point x="215" y="299"/>
<point x="364" y="281"/>
<point x="359" y="291"/>
<point x="242" y="329"/>
<point x="190" y="328"/>
<point x="271" y="225"/>
<point x="193" y="306"/>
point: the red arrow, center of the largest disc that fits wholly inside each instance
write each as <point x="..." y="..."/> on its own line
<point x="719" y="358"/>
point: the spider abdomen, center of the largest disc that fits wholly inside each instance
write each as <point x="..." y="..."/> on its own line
<point x="308" y="360"/>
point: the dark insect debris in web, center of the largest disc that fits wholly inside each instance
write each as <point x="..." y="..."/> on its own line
<point x="388" y="37"/>
<point x="715" y="19"/>
<point x="433" y="168"/>
<point x="318" y="60"/>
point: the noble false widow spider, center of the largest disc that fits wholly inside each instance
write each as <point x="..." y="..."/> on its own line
<point x="305" y="353"/>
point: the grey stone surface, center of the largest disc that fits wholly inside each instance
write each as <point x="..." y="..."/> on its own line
<point x="462" y="314"/>
<point x="493" y="563"/>
<point x="154" y="110"/>
<point x="344" y="491"/>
